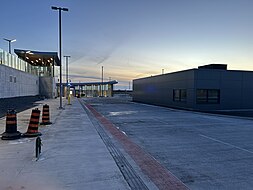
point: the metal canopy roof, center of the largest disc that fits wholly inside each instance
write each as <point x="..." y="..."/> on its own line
<point x="89" y="83"/>
<point x="37" y="58"/>
<point x="92" y="83"/>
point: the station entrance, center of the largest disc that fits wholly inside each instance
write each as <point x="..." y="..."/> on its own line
<point x="89" y="89"/>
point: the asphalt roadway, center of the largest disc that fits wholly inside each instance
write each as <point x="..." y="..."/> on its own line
<point x="204" y="151"/>
<point x="17" y="103"/>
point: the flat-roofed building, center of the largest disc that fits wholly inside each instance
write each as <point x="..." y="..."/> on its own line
<point x="90" y="89"/>
<point x="30" y="73"/>
<point x="210" y="87"/>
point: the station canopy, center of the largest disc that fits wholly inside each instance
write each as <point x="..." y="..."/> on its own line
<point x="92" y="83"/>
<point x="38" y="58"/>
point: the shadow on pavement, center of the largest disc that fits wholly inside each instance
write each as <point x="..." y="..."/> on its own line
<point x="18" y="103"/>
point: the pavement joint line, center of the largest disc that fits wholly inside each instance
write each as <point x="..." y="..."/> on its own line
<point x="225" y="143"/>
<point x="160" y="176"/>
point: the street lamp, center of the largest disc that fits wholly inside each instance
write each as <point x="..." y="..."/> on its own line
<point x="10" y="41"/>
<point x="67" y="65"/>
<point x="67" y="73"/>
<point x="60" y="9"/>
<point x="102" y="89"/>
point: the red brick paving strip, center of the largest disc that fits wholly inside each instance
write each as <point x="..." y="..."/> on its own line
<point x="160" y="176"/>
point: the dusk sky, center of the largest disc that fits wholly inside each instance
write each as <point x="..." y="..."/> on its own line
<point x="133" y="38"/>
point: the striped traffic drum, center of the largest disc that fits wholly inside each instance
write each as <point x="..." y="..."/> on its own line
<point x="33" y="126"/>
<point x="11" y="132"/>
<point x="45" y="115"/>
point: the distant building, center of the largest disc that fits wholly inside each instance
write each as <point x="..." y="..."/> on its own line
<point x="210" y="87"/>
<point x="29" y="74"/>
<point x="123" y="93"/>
<point x="90" y="89"/>
<point x="33" y="73"/>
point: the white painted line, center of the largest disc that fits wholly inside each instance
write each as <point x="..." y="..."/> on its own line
<point x="228" y="144"/>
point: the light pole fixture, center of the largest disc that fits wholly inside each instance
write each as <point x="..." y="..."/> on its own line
<point x="67" y="73"/>
<point x="102" y="86"/>
<point x="67" y="67"/>
<point x="10" y="41"/>
<point x="60" y="9"/>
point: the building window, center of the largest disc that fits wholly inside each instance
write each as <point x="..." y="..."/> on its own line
<point x="15" y="79"/>
<point x="179" y="95"/>
<point x="208" y="96"/>
<point x="10" y="78"/>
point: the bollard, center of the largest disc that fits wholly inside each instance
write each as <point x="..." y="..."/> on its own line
<point x="45" y="115"/>
<point x="11" y="132"/>
<point x="38" y="145"/>
<point x="69" y="100"/>
<point x="33" y="126"/>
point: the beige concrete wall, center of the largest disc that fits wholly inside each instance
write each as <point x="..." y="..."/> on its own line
<point x="14" y="83"/>
<point x="47" y="87"/>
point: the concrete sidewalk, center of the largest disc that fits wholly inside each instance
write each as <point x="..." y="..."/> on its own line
<point x="73" y="154"/>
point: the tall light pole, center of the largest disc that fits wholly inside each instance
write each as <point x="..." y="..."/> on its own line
<point x="102" y="89"/>
<point x="67" y="66"/>
<point x="60" y="9"/>
<point x="67" y="73"/>
<point x="10" y="41"/>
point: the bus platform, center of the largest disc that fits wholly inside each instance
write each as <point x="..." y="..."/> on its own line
<point x="73" y="154"/>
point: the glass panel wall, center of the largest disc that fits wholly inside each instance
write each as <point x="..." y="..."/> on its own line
<point x="16" y="63"/>
<point x="92" y="90"/>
